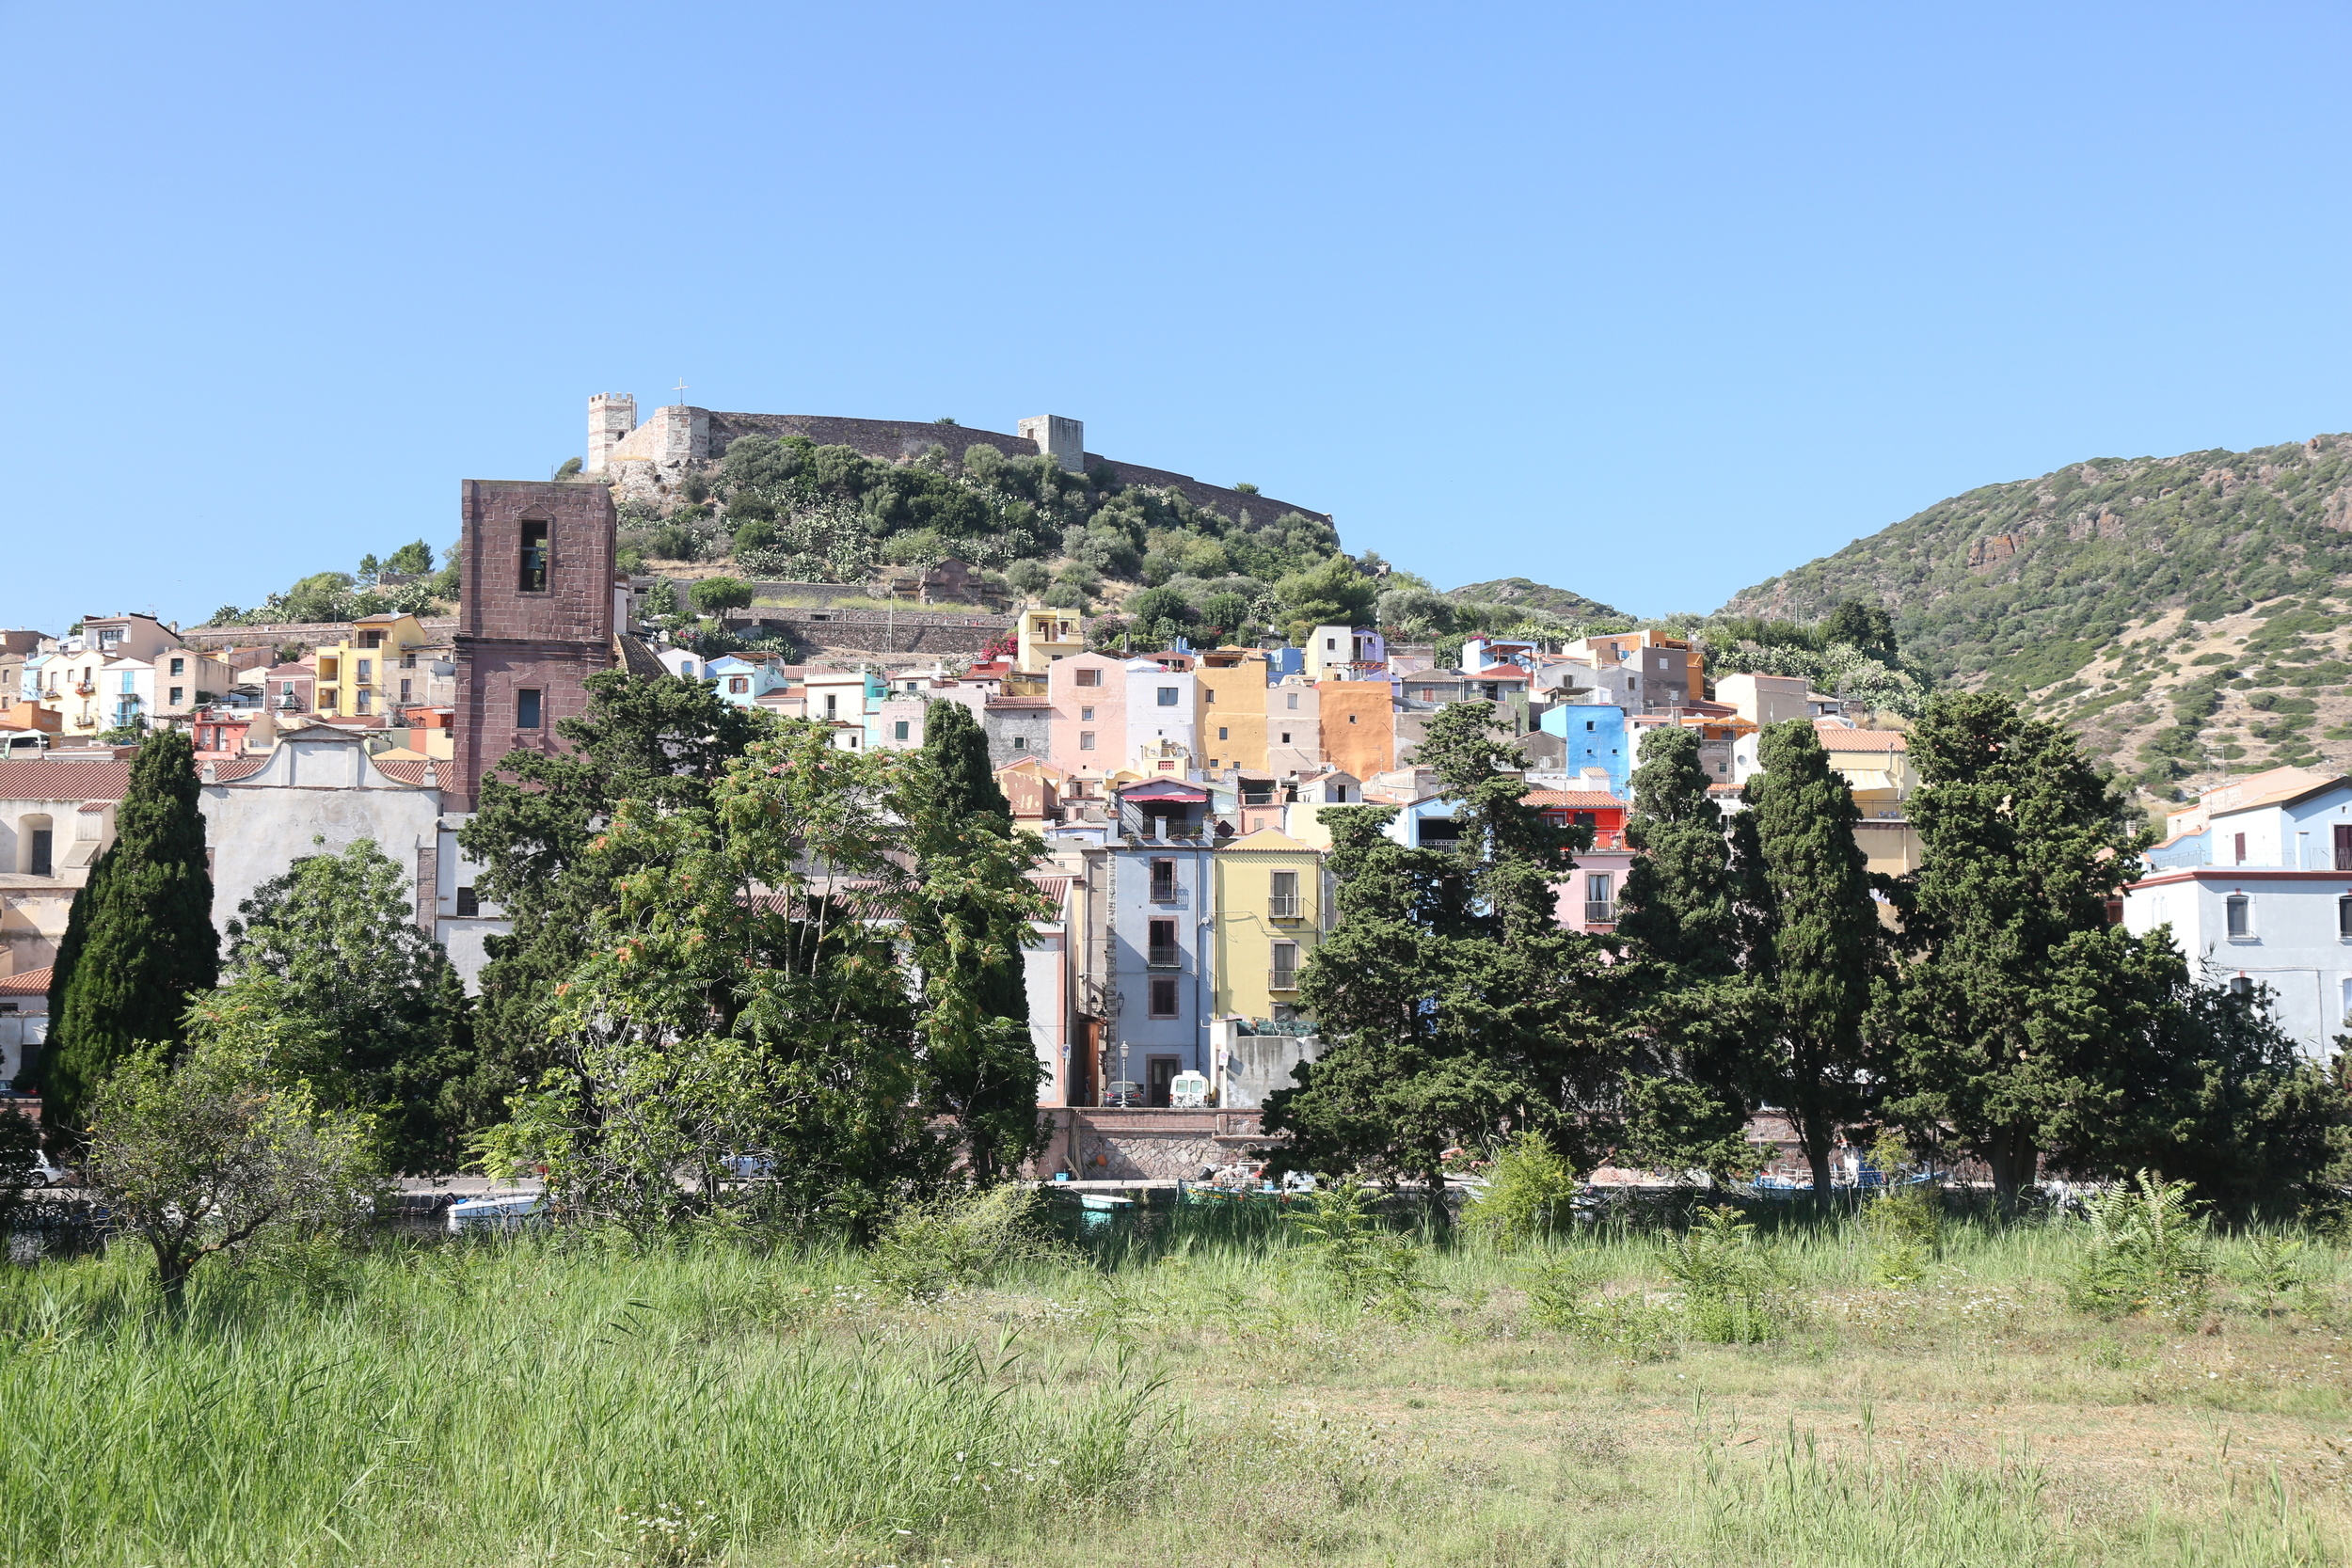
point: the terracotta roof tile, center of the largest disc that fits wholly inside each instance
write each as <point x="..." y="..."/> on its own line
<point x="31" y="982"/>
<point x="1838" y="738"/>
<point x="49" y="779"/>
<point x="238" y="767"/>
<point x="1575" y="800"/>
<point x="409" y="770"/>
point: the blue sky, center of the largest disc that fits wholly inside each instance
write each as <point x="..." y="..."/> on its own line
<point x="1651" y="302"/>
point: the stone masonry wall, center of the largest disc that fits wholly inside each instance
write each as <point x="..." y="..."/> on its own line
<point x="1097" y="1143"/>
<point x="509" y="641"/>
<point x="875" y="632"/>
<point x="894" y="439"/>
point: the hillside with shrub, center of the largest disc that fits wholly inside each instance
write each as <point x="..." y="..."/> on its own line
<point x="2185" y="616"/>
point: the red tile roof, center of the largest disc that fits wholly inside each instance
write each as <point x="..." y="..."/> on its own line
<point x="1571" y="800"/>
<point x="418" y="771"/>
<point x="1838" y="738"/>
<point x="1498" y="672"/>
<point x="49" y="779"/>
<point x="32" y="982"/>
<point x="234" y="769"/>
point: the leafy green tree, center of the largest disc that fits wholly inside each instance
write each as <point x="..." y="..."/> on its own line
<point x="1028" y="577"/>
<point x="1456" y="1006"/>
<point x="1865" y="626"/>
<point x="1225" y="616"/>
<point x="1819" y="943"/>
<point x="754" y="536"/>
<point x="139" y="941"/>
<point x="206" y="1156"/>
<point x="333" y="942"/>
<point x="1680" y="909"/>
<point x="774" y="981"/>
<point x="1330" y="594"/>
<point x="713" y="594"/>
<point x="2007" y="1023"/>
<point x="645" y="737"/>
<point x="320" y="596"/>
<point x="1418" y="614"/>
<point x="2213" y="1092"/>
<point x="1159" y="616"/>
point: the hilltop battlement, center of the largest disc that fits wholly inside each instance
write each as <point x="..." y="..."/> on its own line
<point x="645" y="461"/>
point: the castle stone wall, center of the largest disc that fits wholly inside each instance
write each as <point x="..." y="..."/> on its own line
<point x="653" y="454"/>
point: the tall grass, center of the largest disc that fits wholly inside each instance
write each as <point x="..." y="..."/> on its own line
<point x="479" y="1404"/>
<point x="1194" y="1388"/>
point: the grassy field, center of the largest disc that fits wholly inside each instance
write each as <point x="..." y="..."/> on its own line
<point x="1203" y="1393"/>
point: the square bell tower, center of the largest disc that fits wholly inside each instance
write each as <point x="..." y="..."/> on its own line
<point x="534" y="617"/>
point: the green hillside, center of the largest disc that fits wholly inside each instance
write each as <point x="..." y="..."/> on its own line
<point x="1523" y="593"/>
<point x="2184" y="614"/>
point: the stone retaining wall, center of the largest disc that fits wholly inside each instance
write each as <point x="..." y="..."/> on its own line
<point x="875" y="632"/>
<point x="1099" y="1144"/>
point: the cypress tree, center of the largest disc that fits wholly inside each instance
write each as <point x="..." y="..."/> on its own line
<point x="987" y="1074"/>
<point x="1687" y="1082"/>
<point x="2015" y="1021"/>
<point x="1453" y="1006"/>
<point x="139" y="940"/>
<point x="1820" y="940"/>
<point x="957" y="748"/>
<point x="1678" y="899"/>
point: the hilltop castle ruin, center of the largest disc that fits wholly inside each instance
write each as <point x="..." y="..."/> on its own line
<point x="645" y="463"/>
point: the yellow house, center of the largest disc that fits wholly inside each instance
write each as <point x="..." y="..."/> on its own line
<point x="1269" y="915"/>
<point x="1233" y="687"/>
<point x="1046" y="635"/>
<point x="360" y="676"/>
<point x="1876" y="765"/>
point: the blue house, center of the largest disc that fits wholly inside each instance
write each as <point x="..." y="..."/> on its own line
<point x="742" y="681"/>
<point x="1162" y="892"/>
<point x="1596" y="737"/>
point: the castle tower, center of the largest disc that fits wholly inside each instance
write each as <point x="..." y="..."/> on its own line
<point x="610" y="417"/>
<point x="534" y="617"/>
<point x="1063" y="440"/>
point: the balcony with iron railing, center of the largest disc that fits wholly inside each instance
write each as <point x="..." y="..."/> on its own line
<point x="1282" y="979"/>
<point x="1158" y="957"/>
<point x="1600" y="912"/>
<point x="1285" y="906"/>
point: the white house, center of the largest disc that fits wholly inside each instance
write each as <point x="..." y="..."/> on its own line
<point x="1162" y="706"/>
<point x="2256" y="883"/>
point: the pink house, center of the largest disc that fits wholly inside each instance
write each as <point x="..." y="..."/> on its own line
<point x="1088" y="694"/>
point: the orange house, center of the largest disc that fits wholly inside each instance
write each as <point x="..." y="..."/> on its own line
<point x="1358" y="726"/>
